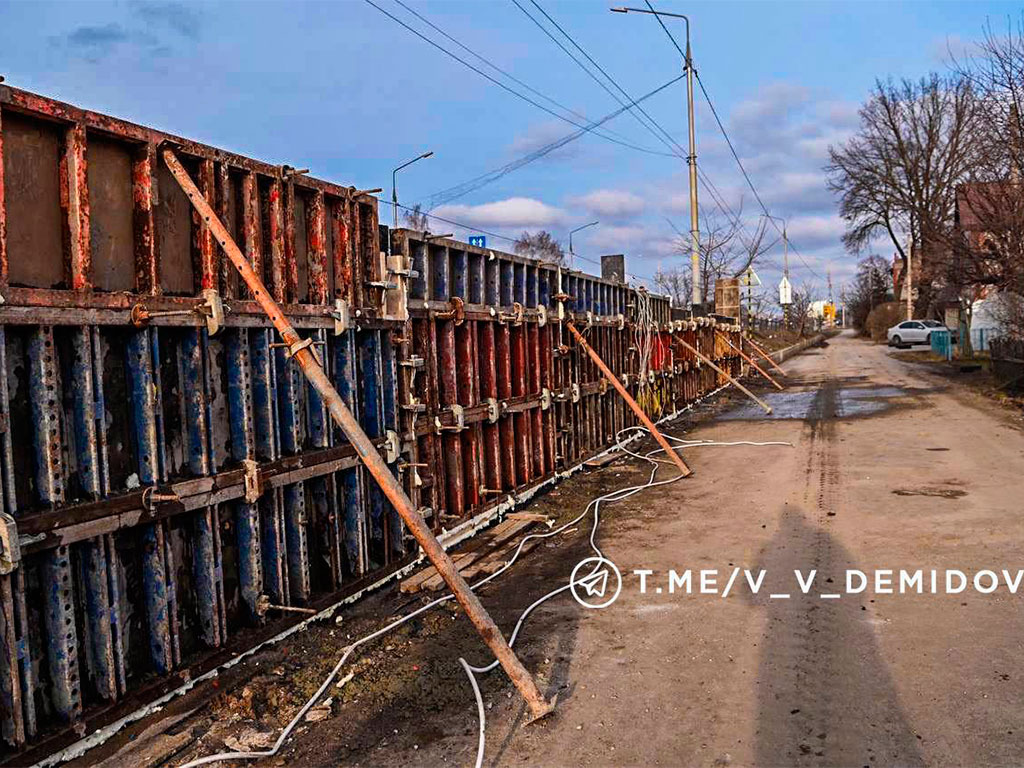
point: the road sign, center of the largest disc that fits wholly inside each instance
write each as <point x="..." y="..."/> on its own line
<point x="480" y="241"/>
<point x="785" y="291"/>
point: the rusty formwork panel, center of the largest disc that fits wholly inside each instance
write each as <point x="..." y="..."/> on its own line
<point x="171" y="483"/>
<point x="502" y="396"/>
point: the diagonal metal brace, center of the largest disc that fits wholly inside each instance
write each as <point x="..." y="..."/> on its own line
<point x="366" y="450"/>
<point x="644" y="419"/>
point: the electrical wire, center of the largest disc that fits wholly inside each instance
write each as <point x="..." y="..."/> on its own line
<point x="509" y="75"/>
<point x="728" y="141"/>
<point x="481" y="714"/>
<point x="502" y="85"/>
<point x="594" y="505"/>
<point x="654" y="126"/>
<point x="633" y="110"/>
<point x="464" y="188"/>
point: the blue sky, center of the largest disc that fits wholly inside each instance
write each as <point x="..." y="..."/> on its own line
<point x="344" y="90"/>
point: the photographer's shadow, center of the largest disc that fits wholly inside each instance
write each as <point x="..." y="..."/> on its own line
<point x="825" y="694"/>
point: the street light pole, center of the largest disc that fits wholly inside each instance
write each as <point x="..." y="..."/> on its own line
<point x="571" y="252"/>
<point x="394" y="182"/>
<point x="691" y="158"/>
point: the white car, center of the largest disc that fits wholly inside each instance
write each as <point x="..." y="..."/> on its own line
<point x="913" y="332"/>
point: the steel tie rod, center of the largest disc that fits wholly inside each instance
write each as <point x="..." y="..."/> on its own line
<point x="686" y="471"/>
<point x="368" y="454"/>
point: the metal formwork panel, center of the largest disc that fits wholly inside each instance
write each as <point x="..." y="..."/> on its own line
<point x="178" y="482"/>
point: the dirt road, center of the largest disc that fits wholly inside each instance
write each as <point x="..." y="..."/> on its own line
<point x="887" y="472"/>
<point x="890" y="468"/>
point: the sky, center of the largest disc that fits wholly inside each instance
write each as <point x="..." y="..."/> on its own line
<point x="345" y="90"/>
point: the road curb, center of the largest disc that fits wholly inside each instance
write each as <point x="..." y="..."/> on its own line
<point x="781" y="355"/>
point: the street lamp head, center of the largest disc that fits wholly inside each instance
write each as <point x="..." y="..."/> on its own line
<point x="425" y="155"/>
<point x="619" y="10"/>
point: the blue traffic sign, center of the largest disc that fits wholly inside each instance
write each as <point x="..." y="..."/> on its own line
<point x="480" y="241"/>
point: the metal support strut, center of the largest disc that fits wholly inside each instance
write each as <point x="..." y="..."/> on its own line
<point x="753" y="365"/>
<point x="685" y="470"/>
<point x="747" y="392"/>
<point x="763" y="354"/>
<point x="366" y="450"/>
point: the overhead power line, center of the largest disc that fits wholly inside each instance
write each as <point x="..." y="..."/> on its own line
<point x="728" y="141"/>
<point x="651" y="125"/>
<point x="452" y="193"/>
<point x="506" y="73"/>
<point x="504" y="86"/>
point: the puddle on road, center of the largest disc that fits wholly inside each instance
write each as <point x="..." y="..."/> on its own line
<point x="805" y="404"/>
<point x="941" y="493"/>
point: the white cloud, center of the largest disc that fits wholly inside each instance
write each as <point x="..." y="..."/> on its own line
<point x="513" y="212"/>
<point x="539" y="135"/>
<point x="611" y="203"/>
<point x="772" y="103"/>
<point x="816" y="231"/>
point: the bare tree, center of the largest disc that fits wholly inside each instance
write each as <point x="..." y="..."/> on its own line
<point x="870" y="288"/>
<point x="988" y="247"/>
<point x="800" y="309"/>
<point x="726" y="250"/>
<point x="898" y="175"/>
<point x="674" y="283"/>
<point x="540" y="245"/>
<point x="416" y="219"/>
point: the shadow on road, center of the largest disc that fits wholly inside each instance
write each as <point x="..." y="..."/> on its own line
<point x="825" y="695"/>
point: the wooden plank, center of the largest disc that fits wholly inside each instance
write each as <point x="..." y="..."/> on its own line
<point x="479" y="548"/>
<point x="600" y="462"/>
<point x="535" y="517"/>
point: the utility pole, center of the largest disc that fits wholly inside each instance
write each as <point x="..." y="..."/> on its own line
<point x="909" y="281"/>
<point x="785" y="266"/>
<point x="750" y="299"/>
<point x="691" y="158"/>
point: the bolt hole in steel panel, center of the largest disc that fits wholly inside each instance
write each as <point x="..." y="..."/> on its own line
<point x="169" y="477"/>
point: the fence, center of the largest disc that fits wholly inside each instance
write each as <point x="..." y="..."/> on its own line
<point x="170" y="482"/>
<point x="942" y="343"/>
<point x="1008" y="360"/>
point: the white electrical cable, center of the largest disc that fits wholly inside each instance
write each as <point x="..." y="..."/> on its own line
<point x="617" y="495"/>
<point x="480" y="711"/>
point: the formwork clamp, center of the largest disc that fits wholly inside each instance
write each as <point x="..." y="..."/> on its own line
<point x="340" y="314"/>
<point x="10" y="546"/>
<point x="211" y="308"/>
<point x="252" y="481"/>
<point x="457" y="313"/>
<point x="392" y="446"/>
<point x="460" y="420"/>
<point x="574" y="390"/>
<point x="516" y="316"/>
<point x="545" y="399"/>
<point x="542" y="315"/>
<point x="493" y="410"/>
<point x="152" y="496"/>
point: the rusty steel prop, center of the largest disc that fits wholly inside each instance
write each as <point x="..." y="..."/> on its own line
<point x="763" y="354"/>
<point x="747" y="392"/>
<point x="304" y="356"/>
<point x="753" y="365"/>
<point x="685" y="470"/>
